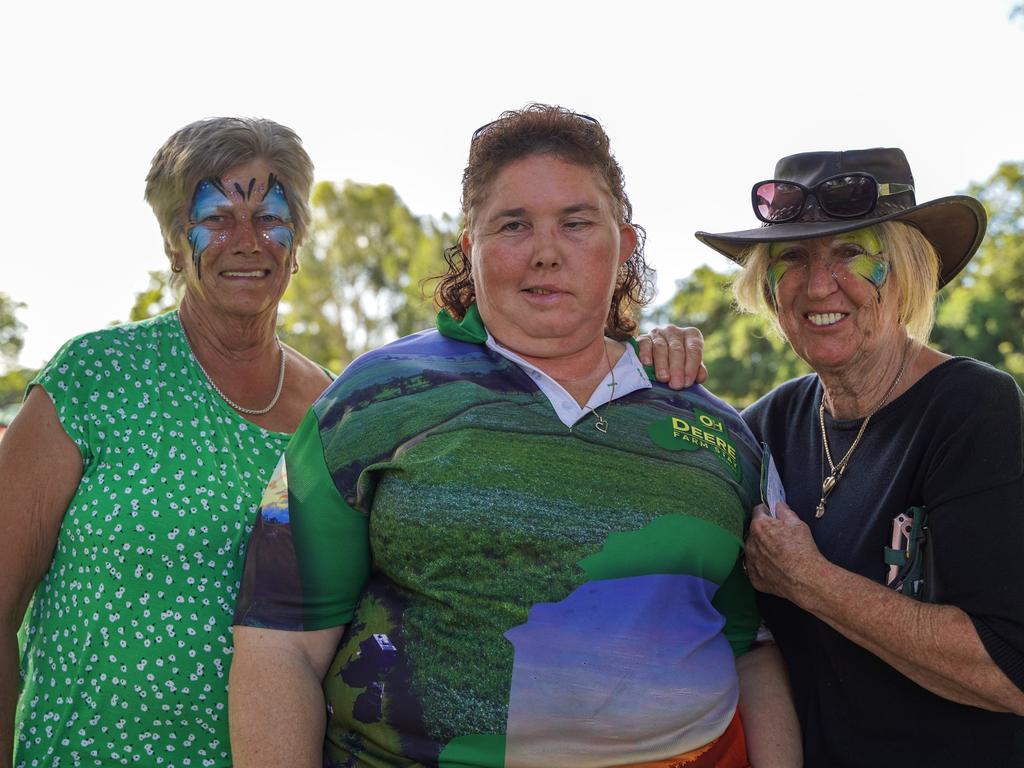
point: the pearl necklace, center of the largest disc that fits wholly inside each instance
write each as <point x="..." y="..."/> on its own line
<point x="829" y="483"/>
<point x="228" y="400"/>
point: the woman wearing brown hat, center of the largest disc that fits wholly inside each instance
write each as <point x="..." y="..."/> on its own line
<point x="893" y="574"/>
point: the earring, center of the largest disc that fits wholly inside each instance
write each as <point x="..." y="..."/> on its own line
<point x="176" y="268"/>
<point x="295" y="266"/>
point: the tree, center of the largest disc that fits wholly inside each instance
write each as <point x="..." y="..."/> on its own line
<point x="159" y="297"/>
<point x="981" y="314"/>
<point x="11" y="329"/>
<point x="12" y="390"/>
<point x="361" y="272"/>
<point x="13" y="380"/>
<point x="744" y="356"/>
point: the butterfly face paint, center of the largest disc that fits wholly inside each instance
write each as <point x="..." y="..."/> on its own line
<point x="870" y="264"/>
<point x="857" y="253"/>
<point x="208" y="200"/>
<point x="278" y="215"/>
<point x="225" y="209"/>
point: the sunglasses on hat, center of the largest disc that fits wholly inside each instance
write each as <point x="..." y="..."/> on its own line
<point x="845" y="196"/>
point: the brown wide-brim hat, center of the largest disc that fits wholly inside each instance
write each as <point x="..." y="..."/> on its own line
<point x="954" y="225"/>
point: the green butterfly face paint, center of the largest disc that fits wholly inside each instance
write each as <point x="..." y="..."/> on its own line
<point x="776" y="269"/>
<point x="851" y="253"/>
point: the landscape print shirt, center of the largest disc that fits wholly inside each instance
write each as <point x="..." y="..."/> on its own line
<point x="517" y="592"/>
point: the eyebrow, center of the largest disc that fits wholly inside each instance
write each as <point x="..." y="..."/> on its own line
<point x="508" y="213"/>
<point x="575" y="208"/>
<point x="580" y="207"/>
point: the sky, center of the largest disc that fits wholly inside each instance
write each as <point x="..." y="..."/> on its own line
<point x="700" y="99"/>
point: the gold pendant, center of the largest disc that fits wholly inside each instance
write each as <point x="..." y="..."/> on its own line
<point x="601" y="425"/>
<point x="826" y="488"/>
<point x="828" y="485"/>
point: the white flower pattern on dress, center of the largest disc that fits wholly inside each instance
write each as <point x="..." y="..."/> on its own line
<point x="126" y="647"/>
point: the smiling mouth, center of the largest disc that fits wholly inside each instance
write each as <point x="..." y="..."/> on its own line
<point x="825" y="318"/>
<point x="245" y="273"/>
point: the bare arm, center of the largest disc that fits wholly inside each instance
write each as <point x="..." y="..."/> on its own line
<point x="936" y="646"/>
<point x="40" y="468"/>
<point x="275" y="696"/>
<point x="766" y="708"/>
<point x="676" y="354"/>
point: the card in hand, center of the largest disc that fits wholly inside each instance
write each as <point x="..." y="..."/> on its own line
<point x="772" y="491"/>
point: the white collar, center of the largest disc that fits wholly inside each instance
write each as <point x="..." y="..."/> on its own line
<point x="629" y="377"/>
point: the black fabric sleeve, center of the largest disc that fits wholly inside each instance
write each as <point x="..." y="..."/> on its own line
<point x="974" y="493"/>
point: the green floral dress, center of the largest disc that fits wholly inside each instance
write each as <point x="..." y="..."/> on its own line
<point x="128" y="642"/>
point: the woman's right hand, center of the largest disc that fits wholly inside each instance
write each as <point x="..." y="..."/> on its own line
<point x="676" y="354"/>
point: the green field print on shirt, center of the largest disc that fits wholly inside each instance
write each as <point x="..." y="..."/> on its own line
<point x="517" y="593"/>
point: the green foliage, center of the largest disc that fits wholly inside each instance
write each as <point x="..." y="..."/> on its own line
<point x="11" y="329"/>
<point x="981" y="314"/>
<point x="13" y="380"/>
<point x="159" y="297"/>
<point x="12" y="390"/>
<point x="744" y="356"/>
<point x="359" y="282"/>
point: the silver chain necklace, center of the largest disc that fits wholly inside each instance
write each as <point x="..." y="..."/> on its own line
<point x="600" y="424"/>
<point x="228" y="400"/>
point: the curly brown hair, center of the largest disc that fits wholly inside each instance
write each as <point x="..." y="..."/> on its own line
<point x="545" y="129"/>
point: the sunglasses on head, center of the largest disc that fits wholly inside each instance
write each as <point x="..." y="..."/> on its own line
<point x="845" y="196"/>
<point x="487" y="126"/>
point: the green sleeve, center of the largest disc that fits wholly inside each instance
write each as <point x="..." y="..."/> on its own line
<point x="309" y="554"/>
<point x="735" y="601"/>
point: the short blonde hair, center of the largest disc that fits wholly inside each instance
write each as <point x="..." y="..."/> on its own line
<point x="206" y="149"/>
<point x="913" y="272"/>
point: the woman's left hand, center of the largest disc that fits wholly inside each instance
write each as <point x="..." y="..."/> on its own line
<point x="936" y="646"/>
<point x="781" y="555"/>
<point x="676" y="354"/>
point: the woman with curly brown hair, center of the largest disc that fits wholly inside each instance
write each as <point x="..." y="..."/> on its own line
<point x="500" y="543"/>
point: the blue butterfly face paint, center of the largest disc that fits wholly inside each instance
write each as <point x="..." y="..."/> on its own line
<point x="248" y="216"/>
<point x="207" y="202"/>
<point x="278" y="215"/>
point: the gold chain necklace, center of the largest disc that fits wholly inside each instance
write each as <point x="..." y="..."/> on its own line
<point x="228" y="400"/>
<point x="600" y="424"/>
<point x="829" y="483"/>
